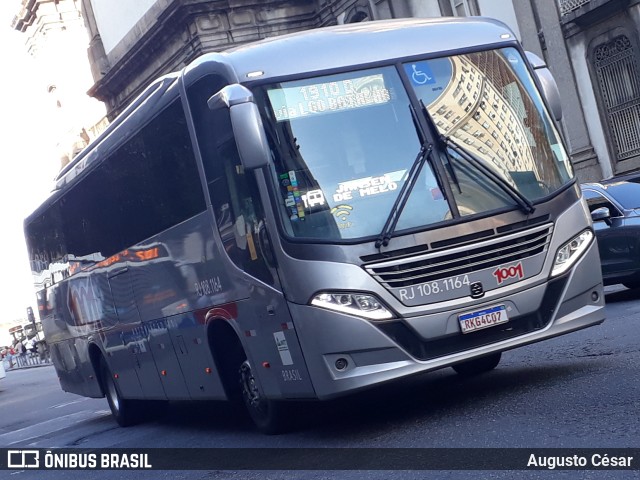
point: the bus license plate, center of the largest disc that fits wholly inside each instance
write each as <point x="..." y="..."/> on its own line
<point x="472" y="321"/>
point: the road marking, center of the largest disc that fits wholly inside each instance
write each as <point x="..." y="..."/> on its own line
<point x="60" y="405"/>
<point x="49" y="426"/>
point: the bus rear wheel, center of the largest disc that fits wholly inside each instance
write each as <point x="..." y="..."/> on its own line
<point x="268" y="415"/>
<point x="126" y="412"/>
<point x="478" y="365"/>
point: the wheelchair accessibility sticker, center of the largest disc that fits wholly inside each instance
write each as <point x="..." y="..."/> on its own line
<point x="420" y="73"/>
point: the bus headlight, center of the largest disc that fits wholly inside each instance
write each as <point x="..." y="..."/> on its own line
<point x="360" y="304"/>
<point x="571" y="251"/>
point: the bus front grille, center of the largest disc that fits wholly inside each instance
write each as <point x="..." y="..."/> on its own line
<point x="463" y="259"/>
<point x="429" y="348"/>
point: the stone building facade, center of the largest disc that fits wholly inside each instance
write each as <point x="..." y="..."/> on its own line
<point x="602" y="39"/>
<point x="591" y="46"/>
<point x="165" y="35"/>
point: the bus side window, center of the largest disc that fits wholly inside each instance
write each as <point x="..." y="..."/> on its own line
<point x="234" y="193"/>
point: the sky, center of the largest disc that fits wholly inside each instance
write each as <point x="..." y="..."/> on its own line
<point x="29" y="163"/>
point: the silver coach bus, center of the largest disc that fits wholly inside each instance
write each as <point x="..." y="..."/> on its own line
<point x="314" y="214"/>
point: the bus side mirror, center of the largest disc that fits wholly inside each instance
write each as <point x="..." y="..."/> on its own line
<point x="548" y="83"/>
<point x="246" y="123"/>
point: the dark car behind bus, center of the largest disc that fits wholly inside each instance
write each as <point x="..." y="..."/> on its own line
<point x="615" y="209"/>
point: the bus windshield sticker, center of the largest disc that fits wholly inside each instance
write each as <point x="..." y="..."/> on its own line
<point x="430" y="78"/>
<point x="293" y="200"/>
<point x="421" y="74"/>
<point x="328" y="97"/>
<point x="368" y="186"/>
<point x="313" y="198"/>
<point x="342" y="213"/>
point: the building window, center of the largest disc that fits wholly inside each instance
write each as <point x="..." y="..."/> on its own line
<point x="358" y="17"/>
<point x="618" y="75"/>
<point x="464" y="8"/>
<point x="360" y="12"/>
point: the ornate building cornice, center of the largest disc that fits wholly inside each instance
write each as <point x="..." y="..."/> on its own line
<point x="181" y="31"/>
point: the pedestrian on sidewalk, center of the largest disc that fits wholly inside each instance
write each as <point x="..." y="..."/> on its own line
<point x="21" y="352"/>
<point x="11" y="353"/>
<point x="43" y="353"/>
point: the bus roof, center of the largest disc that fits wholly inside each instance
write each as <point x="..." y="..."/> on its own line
<point x="359" y="44"/>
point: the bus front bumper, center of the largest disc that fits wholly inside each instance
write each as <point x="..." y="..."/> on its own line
<point x="345" y="353"/>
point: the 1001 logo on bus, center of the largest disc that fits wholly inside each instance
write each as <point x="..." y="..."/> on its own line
<point x="505" y="273"/>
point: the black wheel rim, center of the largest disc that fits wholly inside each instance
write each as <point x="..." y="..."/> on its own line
<point x="112" y="394"/>
<point x="251" y="392"/>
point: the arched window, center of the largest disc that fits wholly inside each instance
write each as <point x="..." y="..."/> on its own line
<point x="358" y="17"/>
<point x="616" y="66"/>
<point x="358" y="13"/>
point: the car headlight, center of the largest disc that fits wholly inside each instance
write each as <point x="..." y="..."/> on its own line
<point x="570" y="252"/>
<point x="360" y="304"/>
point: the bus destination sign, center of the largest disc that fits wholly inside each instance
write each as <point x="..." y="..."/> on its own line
<point x="328" y="97"/>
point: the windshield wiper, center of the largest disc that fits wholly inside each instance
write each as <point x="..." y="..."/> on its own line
<point x="403" y="195"/>
<point x="523" y="202"/>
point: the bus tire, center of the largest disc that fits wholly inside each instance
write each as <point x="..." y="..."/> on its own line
<point x="478" y="365"/>
<point x="268" y="415"/>
<point x="126" y="412"/>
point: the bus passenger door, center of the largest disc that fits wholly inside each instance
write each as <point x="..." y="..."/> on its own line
<point x="265" y="320"/>
<point x="239" y="213"/>
<point x="133" y="354"/>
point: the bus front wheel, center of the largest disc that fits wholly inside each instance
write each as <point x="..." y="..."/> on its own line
<point x="268" y="415"/>
<point x="478" y="365"/>
<point x="126" y="412"/>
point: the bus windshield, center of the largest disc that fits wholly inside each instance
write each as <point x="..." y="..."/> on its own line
<point x="343" y="144"/>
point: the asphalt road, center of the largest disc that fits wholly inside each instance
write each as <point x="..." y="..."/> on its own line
<point x="577" y="391"/>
